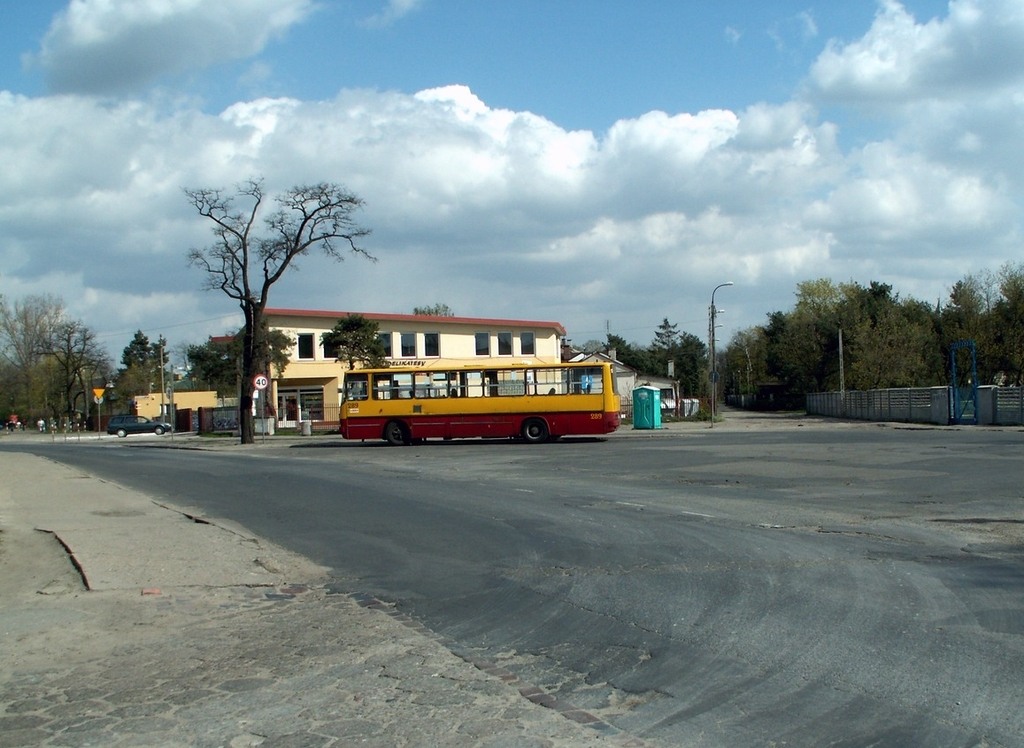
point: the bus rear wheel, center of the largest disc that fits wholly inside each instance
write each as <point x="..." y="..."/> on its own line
<point x="535" y="431"/>
<point x="395" y="434"/>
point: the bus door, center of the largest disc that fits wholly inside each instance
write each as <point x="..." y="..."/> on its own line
<point x="356" y="409"/>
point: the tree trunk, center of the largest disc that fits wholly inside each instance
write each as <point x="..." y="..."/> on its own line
<point x="246" y="430"/>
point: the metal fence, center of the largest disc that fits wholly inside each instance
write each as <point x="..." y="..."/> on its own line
<point x="225" y="420"/>
<point x="687" y="407"/>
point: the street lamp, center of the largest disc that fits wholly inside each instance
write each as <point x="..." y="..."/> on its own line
<point x="712" y="315"/>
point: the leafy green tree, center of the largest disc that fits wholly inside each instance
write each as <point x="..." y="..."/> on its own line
<point x="663" y="348"/>
<point x="807" y="345"/>
<point x="690" y="359"/>
<point x="245" y="265"/>
<point x="802" y="351"/>
<point x="1008" y="322"/>
<point x="666" y="337"/>
<point x="217" y="363"/>
<point x="355" y="339"/>
<point x="745" y="357"/>
<point x="891" y="350"/>
<point x="633" y="356"/>
<point x="889" y="342"/>
<point x="141" y="365"/>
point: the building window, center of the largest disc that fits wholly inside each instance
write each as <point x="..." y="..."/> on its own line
<point x="385" y="343"/>
<point x="408" y="340"/>
<point x="306" y="345"/>
<point x="431" y="344"/>
<point x="504" y="344"/>
<point x="528" y="344"/>
<point x="483" y="344"/>
<point x="330" y="351"/>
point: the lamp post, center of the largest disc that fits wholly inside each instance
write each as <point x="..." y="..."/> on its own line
<point x="712" y="315"/>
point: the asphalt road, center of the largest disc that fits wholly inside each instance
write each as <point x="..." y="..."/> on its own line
<point x="829" y="585"/>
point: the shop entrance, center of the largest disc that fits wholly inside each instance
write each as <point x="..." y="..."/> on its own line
<point x="297" y="404"/>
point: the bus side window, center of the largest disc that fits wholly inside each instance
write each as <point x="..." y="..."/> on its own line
<point x="471" y="384"/>
<point x="382" y="388"/>
<point x="356" y="387"/>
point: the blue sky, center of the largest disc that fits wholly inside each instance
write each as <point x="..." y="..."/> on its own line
<point x="601" y="164"/>
<point x="580" y="63"/>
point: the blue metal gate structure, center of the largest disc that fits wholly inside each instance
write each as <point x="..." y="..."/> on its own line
<point x="964" y="384"/>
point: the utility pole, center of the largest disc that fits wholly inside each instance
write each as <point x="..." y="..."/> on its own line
<point x="163" y="391"/>
<point x="713" y="316"/>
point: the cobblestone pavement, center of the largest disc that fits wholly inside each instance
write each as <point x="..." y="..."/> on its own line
<point x="245" y="667"/>
<point x="222" y="641"/>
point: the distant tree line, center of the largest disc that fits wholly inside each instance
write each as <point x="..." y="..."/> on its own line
<point x="849" y="335"/>
<point x="886" y="341"/>
<point x="837" y="334"/>
<point x="50" y="363"/>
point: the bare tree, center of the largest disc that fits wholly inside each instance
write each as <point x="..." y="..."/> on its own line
<point x="434" y="310"/>
<point x="27" y="328"/>
<point x="79" y="359"/>
<point x="245" y="266"/>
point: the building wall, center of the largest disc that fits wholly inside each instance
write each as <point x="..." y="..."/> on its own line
<point x="312" y="379"/>
<point x="149" y="405"/>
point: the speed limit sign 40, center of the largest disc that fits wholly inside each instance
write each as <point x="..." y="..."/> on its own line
<point x="260" y="381"/>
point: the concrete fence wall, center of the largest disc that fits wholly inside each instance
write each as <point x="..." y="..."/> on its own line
<point x="1001" y="406"/>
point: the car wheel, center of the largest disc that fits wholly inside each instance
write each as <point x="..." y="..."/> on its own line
<point x="121" y="433"/>
<point x="159" y="431"/>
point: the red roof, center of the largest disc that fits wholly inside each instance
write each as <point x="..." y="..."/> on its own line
<point x="383" y="317"/>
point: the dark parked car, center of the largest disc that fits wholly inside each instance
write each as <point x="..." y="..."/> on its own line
<point x="124" y="425"/>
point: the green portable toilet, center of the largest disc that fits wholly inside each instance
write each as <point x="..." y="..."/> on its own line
<point x="647" y="407"/>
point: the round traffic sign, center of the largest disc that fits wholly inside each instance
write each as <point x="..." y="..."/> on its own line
<point x="260" y="381"/>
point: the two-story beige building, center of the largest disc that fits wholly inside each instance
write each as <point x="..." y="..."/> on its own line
<point x="309" y="388"/>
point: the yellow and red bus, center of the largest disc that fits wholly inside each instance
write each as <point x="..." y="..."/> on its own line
<point x="535" y="403"/>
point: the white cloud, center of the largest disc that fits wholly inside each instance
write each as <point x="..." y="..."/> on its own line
<point x="681" y="138"/>
<point x="795" y="31"/>
<point x="393" y="11"/>
<point x="498" y="212"/>
<point x="117" y="46"/>
<point x="894" y="199"/>
<point x="972" y="52"/>
<point x="808" y="26"/>
<point x="471" y="206"/>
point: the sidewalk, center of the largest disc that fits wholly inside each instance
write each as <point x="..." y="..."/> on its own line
<point x="175" y="632"/>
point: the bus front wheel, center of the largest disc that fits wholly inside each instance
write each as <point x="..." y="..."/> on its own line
<point x="394" y="434"/>
<point x="535" y="431"/>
